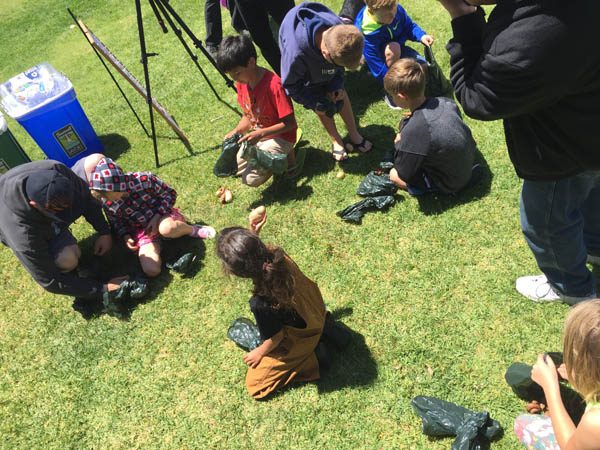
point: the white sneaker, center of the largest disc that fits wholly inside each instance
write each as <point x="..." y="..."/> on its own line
<point x="388" y="101"/>
<point x="538" y="289"/>
<point x="593" y="260"/>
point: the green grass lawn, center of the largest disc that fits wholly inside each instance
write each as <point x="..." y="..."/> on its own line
<point x="427" y="288"/>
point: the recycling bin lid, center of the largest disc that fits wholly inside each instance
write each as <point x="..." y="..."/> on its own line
<point x="32" y="89"/>
<point x="3" y="125"/>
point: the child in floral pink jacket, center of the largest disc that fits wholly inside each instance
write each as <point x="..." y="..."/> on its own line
<point x="140" y="208"/>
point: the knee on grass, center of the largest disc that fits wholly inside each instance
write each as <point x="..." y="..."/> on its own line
<point x="392" y="53"/>
<point x="150" y="261"/>
<point x="68" y="259"/>
<point x="171" y="228"/>
<point x="151" y="270"/>
<point x="254" y="181"/>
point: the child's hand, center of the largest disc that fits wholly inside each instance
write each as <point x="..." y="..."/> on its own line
<point x="253" y="137"/>
<point x="253" y="358"/>
<point x="103" y="244"/>
<point x="255" y="227"/>
<point x="114" y="283"/>
<point x="562" y="372"/>
<point x="130" y="243"/>
<point x="427" y="40"/>
<point x="152" y="227"/>
<point x="231" y="133"/>
<point x="544" y="373"/>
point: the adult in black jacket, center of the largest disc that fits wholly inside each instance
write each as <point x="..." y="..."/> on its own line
<point x="536" y="64"/>
<point x="39" y="201"/>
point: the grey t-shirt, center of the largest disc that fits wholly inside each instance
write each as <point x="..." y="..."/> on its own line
<point x="436" y="142"/>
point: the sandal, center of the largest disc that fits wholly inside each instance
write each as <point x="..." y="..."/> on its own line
<point x="338" y="154"/>
<point x="361" y="147"/>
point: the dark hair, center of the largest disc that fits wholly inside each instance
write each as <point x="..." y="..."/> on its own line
<point x="243" y="254"/>
<point x="235" y="51"/>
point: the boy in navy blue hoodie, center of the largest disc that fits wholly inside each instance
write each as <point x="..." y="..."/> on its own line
<point x="315" y="49"/>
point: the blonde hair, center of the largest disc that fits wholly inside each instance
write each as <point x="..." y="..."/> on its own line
<point x="581" y="346"/>
<point x="344" y="44"/>
<point x="374" y="5"/>
<point x="405" y="76"/>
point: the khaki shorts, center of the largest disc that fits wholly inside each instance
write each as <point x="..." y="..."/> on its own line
<point x="257" y="176"/>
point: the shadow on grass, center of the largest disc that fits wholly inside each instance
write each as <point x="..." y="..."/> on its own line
<point x="114" y="145"/>
<point x="382" y="137"/>
<point x="283" y="189"/>
<point x="352" y="367"/>
<point x="121" y="261"/>
<point x="365" y="90"/>
<point x="436" y="203"/>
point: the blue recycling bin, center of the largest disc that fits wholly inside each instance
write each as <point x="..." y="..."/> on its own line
<point x="43" y="101"/>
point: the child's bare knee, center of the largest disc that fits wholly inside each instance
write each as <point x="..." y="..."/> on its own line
<point x="152" y="270"/>
<point x="68" y="259"/>
<point x="392" y="53"/>
<point x="166" y="227"/>
<point x="253" y="181"/>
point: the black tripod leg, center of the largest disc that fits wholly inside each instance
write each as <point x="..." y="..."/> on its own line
<point x="197" y="42"/>
<point x="191" y="54"/>
<point x="140" y="23"/>
<point x="111" y="75"/>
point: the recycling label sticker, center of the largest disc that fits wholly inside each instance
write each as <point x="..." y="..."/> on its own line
<point x="69" y="140"/>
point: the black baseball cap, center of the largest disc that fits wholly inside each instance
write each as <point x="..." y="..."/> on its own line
<point x="50" y="190"/>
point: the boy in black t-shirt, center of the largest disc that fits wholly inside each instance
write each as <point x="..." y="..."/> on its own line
<point x="434" y="147"/>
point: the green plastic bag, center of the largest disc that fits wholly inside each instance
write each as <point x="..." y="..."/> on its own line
<point x="440" y="418"/>
<point x="437" y="85"/>
<point x="376" y="183"/>
<point x="244" y="333"/>
<point x="226" y="164"/>
<point x="355" y="212"/>
<point x="518" y="377"/>
<point x="276" y="163"/>
<point x="183" y="264"/>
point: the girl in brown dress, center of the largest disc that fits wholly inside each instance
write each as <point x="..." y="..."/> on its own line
<point x="288" y="308"/>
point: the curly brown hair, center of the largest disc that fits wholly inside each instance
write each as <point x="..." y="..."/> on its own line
<point x="243" y="254"/>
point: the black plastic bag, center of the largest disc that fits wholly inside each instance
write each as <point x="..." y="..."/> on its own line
<point x="244" y="333"/>
<point x="473" y="431"/>
<point x="275" y="163"/>
<point x="328" y="107"/>
<point x="183" y="264"/>
<point x="437" y="85"/>
<point x="226" y="164"/>
<point x="136" y="288"/>
<point x="376" y="183"/>
<point x="354" y="213"/>
<point x="518" y="377"/>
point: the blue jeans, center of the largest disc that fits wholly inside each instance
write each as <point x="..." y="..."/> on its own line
<point x="561" y="224"/>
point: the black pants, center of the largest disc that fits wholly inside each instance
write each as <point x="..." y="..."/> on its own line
<point x="255" y="14"/>
<point x="212" y="22"/>
<point x="351" y="8"/>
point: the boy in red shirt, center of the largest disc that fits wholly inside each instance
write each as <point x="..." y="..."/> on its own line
<point x="268" y="121"/>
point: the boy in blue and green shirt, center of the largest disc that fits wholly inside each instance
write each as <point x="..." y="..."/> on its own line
<point x="386" y="27"/>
